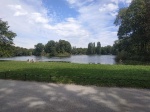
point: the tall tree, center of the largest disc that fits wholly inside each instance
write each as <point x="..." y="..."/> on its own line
<point x="39" y="48"/>
<point x="50" y="48"/>
<point x="6" y="35"/>
<point x="90" y="48"/>
<point x="98" y="48"/>
<point x="63" y="46"/>
<point x="134" y="27"/>
<point x="6" y="39"/>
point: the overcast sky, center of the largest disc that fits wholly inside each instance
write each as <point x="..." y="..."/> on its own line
<point x="77" y="21"/>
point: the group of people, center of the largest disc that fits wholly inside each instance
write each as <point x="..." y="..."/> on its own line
<point x="32" y="61"/>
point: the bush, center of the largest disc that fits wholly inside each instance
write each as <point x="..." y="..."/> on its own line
<point x="123" y="55"/>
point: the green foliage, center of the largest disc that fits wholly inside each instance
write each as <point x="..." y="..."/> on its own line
<point x="39" y="49"/>
<point x="134" y="30"/>
<point x="61" y="48"/>
<point x="107" y="50"/>
<point x="49" y="45"/>
<point x="78" y="51"/>
<point x="50" y="48"/>
<point x="19" y="51"/>
<point x="123" y="55"/>
<point x="92" y="49"/>
<point x="98" y="48"/>
<point x="6" y="39"/>
<point x="84" y="74"/>
<point x="6" y="36"/>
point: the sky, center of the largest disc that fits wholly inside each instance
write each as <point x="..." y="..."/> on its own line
<point x="77" y="21"/>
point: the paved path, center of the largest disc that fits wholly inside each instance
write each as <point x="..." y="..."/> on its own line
<point x="19" y="96"/>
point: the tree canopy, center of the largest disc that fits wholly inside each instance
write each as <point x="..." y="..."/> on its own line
<point x="6" y="35"/>
<point x="39" y="48"/>
<point x="92" y="49"/>
<point x="52" y="48"/>
<point x="6" y="40"/>
<point x="134" y="29"/>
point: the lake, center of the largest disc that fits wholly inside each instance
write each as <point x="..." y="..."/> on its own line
<point x="85" y="59"/>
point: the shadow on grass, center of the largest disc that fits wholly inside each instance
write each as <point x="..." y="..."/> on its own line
<point x="98" y="77"/>
<point x="4" y="60"/>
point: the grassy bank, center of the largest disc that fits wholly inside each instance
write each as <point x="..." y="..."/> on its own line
<point x="84" y="74"/>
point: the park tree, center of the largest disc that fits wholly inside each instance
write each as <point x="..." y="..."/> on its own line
<point x="106" y="50"/>
<point x="134" y="29"/>
<point x="6" y="39"/>
<point x="78" y="51"/>
<point x="91" y="48"/>
<point x="98" y="48"/>
<point x="6" y="35"/>
<point x="63" y="47"/>
<point x="39" y="49"/>
<point x="50" y="48"/>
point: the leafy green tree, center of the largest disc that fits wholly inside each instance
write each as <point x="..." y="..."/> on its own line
<point x="107" y="50"/>
<point x="78" y="51"/>
<point x="6" y="35"/>
<point x="134" y="29"/>
<point x="6" y="39"/>
<point x="63" y="46"/>
<point x="74" y="50"/>
<point x="91" y="48"/>
<point x="50" y="48"/>
<point x="49" y="45"/>
<point x="98" y="48"/>
<point x="39" y="48"/>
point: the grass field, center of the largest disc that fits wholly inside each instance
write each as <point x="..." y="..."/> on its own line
<point x="83" y="74"/>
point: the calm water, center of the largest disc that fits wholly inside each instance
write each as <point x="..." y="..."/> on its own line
<point x="97" y="59"/>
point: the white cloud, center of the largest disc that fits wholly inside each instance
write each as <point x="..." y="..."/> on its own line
<point x="128" y="1"/>
<point x="27" y="21"/>
<point x="79" y="3"/>
<point x="97" y="18"/>
<point x="125" y="2"/>
<point x="98" y="22"/>
<point x="30" y="21"/>
<point x="15" y="7"/>
<point x="68" y="29"/>
<point x="38" y="18"/>
<point x="109" y="7"/>
<point x="19" y="11"/>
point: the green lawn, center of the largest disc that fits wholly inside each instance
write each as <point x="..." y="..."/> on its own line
<point x="83" y="74"/>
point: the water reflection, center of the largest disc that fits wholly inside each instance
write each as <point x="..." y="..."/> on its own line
<point x="97" y="59"/>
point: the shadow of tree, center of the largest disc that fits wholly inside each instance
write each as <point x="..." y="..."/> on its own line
<point x="18" y="96"/>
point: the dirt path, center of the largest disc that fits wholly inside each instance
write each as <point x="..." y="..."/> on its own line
<point x="19" y="96"/>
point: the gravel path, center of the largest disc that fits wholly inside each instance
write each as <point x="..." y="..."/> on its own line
<point x="19" y="96"/>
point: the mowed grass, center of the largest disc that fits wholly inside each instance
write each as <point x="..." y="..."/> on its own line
<point x="82" y="74"/>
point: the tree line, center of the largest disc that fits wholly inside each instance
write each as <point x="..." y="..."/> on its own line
<point x="11" y="51"/>
<point x="106" y="50"/>
<point x="92" y="49"/>
<point x="63" y="48"/>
